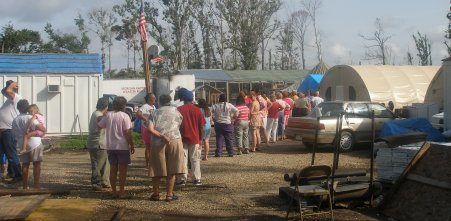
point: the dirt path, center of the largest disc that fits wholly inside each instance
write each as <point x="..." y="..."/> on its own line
<point x="242" y="187"/>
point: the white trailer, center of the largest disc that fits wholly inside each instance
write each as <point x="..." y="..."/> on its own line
<point x="64" y="86"/>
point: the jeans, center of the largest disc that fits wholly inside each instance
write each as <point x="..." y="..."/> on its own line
<point x="224" y="131"/>
<point x="193" y="154"/>
<point x="100" y="167"/>
<point x="242" y="134"/>
<point x="8" y="146"/>
<point x="280" y="125"/>
<point x="271" y="128"/>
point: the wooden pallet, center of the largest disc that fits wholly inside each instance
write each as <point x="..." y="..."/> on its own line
<point x="18" y="208"/>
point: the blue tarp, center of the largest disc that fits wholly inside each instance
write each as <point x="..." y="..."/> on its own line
<point x="396" y="127"/>
<point x="310" y="83"/>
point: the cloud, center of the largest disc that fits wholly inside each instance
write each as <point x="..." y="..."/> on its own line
<point x="338" y="50"/>
<point x="33" y="11"/>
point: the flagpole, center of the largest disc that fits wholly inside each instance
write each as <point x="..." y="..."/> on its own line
<point x="147" y="68"/>
<point x="142" y="31"/>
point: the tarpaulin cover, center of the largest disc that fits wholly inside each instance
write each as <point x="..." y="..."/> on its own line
<point x="396" y="127"/>
<point x="310" y="83"/>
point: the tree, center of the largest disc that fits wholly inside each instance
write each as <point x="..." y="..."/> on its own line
<point x="247" y="21"/>
<point x="267" y="35"/>
<point x="19" y="41"/>
<point x="84" y="39"/>
<point x="409" y="58"/>
<point x="193" y="56"/>
<point x="286" y="45"/>
<point x="177" y="14"/>
<point x="219" y="33"/>
<point x="300" y="25"/>
<point x="127" y="30"/>
<point x="424" y="49"/>
<point x="102" y="22"/>
<point x="378" y="48"/>
<point x="203" y="13"/>
<point x="448" y="32"/>
<point x="65" y="43"/>
<point x="312" y="7"/>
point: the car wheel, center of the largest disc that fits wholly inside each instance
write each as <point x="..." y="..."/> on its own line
<point x="308" y="145"/>
<point x="346" y="141"/>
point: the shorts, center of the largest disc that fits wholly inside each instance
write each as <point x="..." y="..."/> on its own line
<point x="34" y="155"/>
<point x="167" y="159"/>
<point x="119" y="157"/>
<point x="145" y="135"/>
<point x="207" y="133"/>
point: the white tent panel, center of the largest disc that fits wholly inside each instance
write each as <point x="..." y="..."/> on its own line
<point x="403" y="85"/>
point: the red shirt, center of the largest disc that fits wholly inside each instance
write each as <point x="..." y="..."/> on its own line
<point x="289" y="102"/>
<point x="247" y="100"/>
<point x="273" y="111"/>
<point x="192" y="122"/>
<point x="243" y="112"/>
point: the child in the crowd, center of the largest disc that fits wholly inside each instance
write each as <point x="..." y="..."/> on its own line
<point x="34" y="111"/>
<point x="206" y="112"/>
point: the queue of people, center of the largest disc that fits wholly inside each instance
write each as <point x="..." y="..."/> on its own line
<point x="174" y="135"/>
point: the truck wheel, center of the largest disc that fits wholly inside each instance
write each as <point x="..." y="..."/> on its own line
<point x="347" y="141"/>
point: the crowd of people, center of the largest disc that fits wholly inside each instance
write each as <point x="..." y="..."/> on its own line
<point x="174" y="133"/>
<point x="21" y="128"/>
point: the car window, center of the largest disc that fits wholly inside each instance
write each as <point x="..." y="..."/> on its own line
<point x="380" y="111"/>
<point x="327" y="110"/>
<point x="357" y="110"/>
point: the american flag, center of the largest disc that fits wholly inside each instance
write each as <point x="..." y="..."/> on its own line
<point x="157" y="60"/>
<point x="142" y="24"/>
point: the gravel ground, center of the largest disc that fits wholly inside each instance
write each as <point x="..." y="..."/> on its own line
<point x="243" y="187"/>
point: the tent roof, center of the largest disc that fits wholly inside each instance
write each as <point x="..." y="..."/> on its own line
<point x="50" y="64"/>
<point x="207" y="74"/>
<point x="320" y="68"/>
<point x="246" y="75"/>
<point x="401" y="84"/>
<point x="269" y="76"/>
<point x="310" y="83"/>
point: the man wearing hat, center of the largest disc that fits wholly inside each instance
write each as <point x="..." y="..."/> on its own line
<point x="191" y="130"/>
<point x="8" y="111"/>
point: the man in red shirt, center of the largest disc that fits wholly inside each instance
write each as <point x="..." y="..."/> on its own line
<point x="191" y="130"/>
<point x="273" y="118"/>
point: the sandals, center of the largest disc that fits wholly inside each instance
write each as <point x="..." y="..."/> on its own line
<point x="154" y="198"/>
<point x="171" y="198"/>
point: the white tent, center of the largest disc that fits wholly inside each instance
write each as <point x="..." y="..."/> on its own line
<point x="436" y="91"/>
<point x="403" y="85"/>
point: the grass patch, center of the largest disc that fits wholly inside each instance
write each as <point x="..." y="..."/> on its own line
<point x="78" y="142"/>
<point x="74" y="142"/>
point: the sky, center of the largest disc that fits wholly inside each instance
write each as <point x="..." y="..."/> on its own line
<point x="339" y="21"/>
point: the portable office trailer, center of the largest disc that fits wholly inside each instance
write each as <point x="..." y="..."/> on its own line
<point x="64" y="86"/>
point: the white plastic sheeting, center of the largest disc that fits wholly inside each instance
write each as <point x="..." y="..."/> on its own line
<point x="403" y="85"/>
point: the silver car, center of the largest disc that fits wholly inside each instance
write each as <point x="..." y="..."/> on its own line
<point x="356" y="123"/>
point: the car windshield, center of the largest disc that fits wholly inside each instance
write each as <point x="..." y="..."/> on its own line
<point x="327" y="110"/>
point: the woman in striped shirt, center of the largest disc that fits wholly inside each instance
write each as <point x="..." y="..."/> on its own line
<point x="242" y="126"/>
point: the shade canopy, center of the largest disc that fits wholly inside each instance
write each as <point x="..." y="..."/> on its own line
<point x="310" y="83"/>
